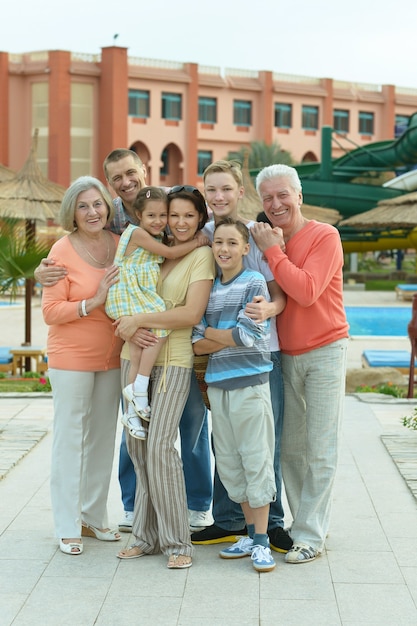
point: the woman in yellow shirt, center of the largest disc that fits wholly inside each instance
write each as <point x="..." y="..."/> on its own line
<point x="161" y="515"/>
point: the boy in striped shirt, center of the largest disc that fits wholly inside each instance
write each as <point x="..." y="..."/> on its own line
<point x="238" y="388"/>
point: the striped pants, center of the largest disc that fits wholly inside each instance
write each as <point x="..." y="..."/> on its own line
<point x="161" y="514"/>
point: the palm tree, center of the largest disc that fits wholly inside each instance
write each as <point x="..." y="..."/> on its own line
<point x="261" y="154"/>
<point x="19" y="256"/>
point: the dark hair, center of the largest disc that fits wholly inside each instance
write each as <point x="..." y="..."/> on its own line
<point x="146" y="194"/>
<point x="187" y="192"/>
<point x="261" y="217"/>
<point x="240" y="227"/>
<point x="117" y="155"/>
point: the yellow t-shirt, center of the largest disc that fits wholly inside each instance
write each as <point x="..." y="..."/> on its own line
<point x="198" y="265"/>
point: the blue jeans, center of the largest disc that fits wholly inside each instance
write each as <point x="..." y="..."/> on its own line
<point x="195" y="454"/>
<point x="127" y="476"/>
<point x="195" y="450"/>
<point x="228" y="514"/>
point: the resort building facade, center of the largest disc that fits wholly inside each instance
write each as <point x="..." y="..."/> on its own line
<point x="177" y="116"/>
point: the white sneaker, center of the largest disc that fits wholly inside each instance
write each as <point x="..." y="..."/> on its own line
<point x="125" y="526"/>
<point x="199" y="520"/>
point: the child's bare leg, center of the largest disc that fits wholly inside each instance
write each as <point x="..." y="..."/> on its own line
<point x="257" y="523"/>
<point x="149" y="356"/>
<point x="135" y="353"/>
<point x="258" y="518"/>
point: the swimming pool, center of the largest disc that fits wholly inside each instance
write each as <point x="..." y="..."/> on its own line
<point x="378" y="321"/>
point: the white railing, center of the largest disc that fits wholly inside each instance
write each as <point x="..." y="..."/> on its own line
<point x="85" y="58"/>
<point x="406" y="91"/>
<point x="344" y="84"/>
<point x="166" y="65"/>
<point x="241" y="73"/>
<point x="209" y="69"/>
<point x="293" y="78"/>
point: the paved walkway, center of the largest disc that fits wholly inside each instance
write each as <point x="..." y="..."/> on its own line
<point x="368" y="574"/>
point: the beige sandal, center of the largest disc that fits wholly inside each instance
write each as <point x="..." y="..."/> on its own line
<point x="179" y="561"/>
<point x="133" y="552"/>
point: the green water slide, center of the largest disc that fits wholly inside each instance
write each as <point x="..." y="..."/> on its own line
<point x="328" y="184"/>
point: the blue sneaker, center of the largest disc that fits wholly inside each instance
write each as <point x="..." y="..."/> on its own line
<point x="262" y="559"/>
<point x="241" y="548"/>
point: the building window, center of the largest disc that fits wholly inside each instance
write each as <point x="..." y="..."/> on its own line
<point x="341" y="120"/>
<point x="401" y="124"/>
<point x="207" y="110"/>
<point x="171" y="106"/>
<point x="242" y="112"/>
<point x="366" y="123"/>
<point x="310" y="118"/>
<point x="164" y="170"/>
<point x="40" y="116"/>
<point x="204" y="158"/>
<point x="283" y="115"/>
<point x="82" y="127"/>
<point x="139" y="103"/>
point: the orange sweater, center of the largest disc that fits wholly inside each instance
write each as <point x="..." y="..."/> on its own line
<point x="74" y="342"/>
<point x="310" y="273"/>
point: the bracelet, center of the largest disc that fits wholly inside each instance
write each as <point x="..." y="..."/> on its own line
<point x="83" y="309"/>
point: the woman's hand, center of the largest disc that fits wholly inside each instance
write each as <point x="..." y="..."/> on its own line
<point x="126" y="326"/>
<point x="49" y="274"/>
<point x="110" y="277"/>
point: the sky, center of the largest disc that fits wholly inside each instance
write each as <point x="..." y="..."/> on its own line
<point x="361" y="41"/>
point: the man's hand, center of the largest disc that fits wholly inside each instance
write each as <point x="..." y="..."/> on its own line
<point x="49" y="274"/>
<point x="266" y="237"/>
<point x="258" y="310"/>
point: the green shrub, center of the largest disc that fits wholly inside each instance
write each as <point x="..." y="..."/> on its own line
<point x="42" y="385"/>
<point x="30" y="375"/>
<point x="411" y="421"/>
<point x="387" y="388"/>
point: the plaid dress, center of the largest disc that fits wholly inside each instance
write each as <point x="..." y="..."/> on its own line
<point x="136" y="290"/>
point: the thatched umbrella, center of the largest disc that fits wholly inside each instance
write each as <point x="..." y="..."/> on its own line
<point x="30" y="196"/>
<point x="6" y="173"/>
<point x="250" y="206"/>
<point x="394" y="214"/>
<point x="320" y="214"/>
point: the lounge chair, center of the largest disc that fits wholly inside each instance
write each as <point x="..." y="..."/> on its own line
<point x="405" y="292"/>
<point x="400" y="359"/>
<point x="6" y="359"/>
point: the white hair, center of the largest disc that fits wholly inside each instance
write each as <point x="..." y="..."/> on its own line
<point x="279" y="170"/>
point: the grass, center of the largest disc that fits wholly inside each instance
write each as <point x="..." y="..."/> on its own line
<point x="381" y="285"/>
<point x="25" y="385"/>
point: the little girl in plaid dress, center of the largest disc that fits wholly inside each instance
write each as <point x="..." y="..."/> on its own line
<point x="140" y="252"/>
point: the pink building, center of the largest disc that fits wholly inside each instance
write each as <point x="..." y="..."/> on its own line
<point x="177" y="117"/>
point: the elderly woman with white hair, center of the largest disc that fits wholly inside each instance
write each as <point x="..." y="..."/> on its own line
<point x="84" y="366"/>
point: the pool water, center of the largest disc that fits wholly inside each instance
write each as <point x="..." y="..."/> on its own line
<point x="376" y="321"/>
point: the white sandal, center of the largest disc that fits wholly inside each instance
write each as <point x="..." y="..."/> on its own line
<point x="74" y="548"/>
<point x="135" y="428"/>
<point x="131" y="395"/>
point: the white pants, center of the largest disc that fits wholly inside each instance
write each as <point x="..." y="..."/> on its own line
<point x="314" y="384"/>
<point x="85" y="419"/>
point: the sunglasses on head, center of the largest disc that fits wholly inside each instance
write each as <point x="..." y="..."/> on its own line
<point x="187" y="188"/>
